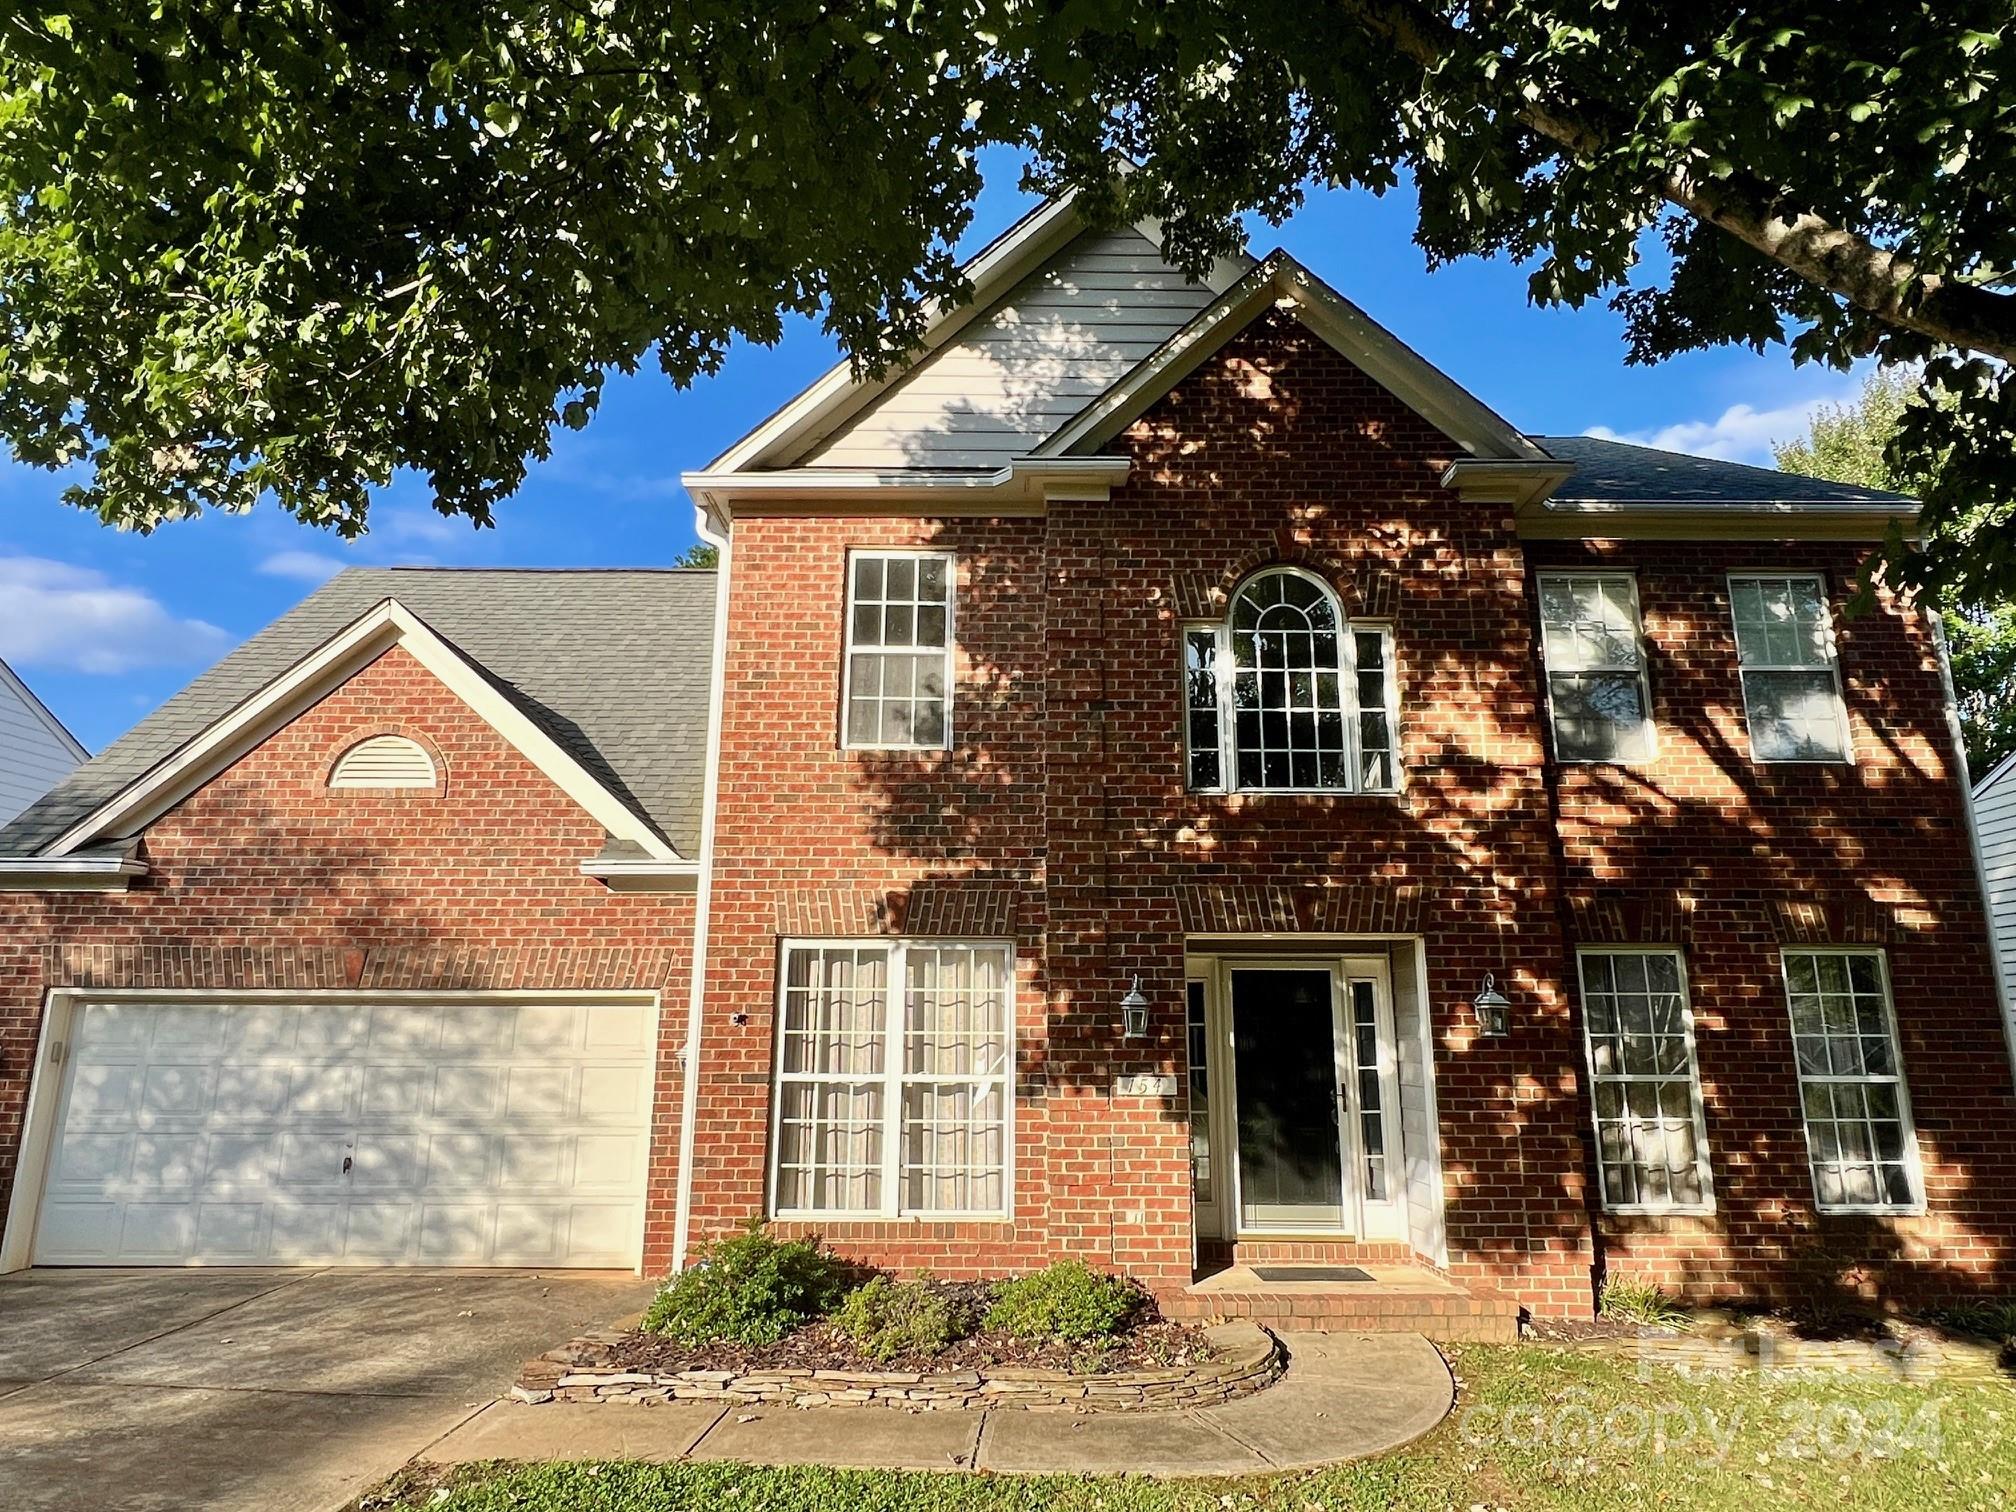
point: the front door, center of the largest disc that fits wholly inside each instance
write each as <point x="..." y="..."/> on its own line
<point x="1290" y="1104"/>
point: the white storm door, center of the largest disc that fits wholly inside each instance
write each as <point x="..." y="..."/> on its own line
<point x="387" y="1132"/>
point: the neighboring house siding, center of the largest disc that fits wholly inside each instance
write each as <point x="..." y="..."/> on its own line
<point x="33" y="755"/>
<point x="1050" y="347"/>
<point x="1995" y="814"/>
<point x="267" y="878"/>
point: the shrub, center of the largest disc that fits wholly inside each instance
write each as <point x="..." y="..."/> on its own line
<point x="1992" y="1319"/>
<point x="1628" y="1299"/>
<point x="751" y="1290"/>
<point x="1067" y="1300"/>
<point x="888" y="1318"/>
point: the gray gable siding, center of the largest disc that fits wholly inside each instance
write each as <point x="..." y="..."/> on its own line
<point x="1050" y="346"/>
<point x="1995" y="819"/>
<point x="613" y="665"/>
<point x="33" y="757"/>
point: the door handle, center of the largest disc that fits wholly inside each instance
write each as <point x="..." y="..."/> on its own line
<point x="346" y="1165"/>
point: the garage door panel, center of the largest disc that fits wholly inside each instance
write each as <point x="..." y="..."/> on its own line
<point x="475" y="1134"/>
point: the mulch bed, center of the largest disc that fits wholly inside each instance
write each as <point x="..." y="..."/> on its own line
<point x="1151" y="1342"/>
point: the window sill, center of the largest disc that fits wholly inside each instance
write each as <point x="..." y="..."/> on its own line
<point x="1912" y="1210"/>
<point x="1293" y="792"/>
<point x="828" y="1215"/>
<point x="1639" y="1210"/>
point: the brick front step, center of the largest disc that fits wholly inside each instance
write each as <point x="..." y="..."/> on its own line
<point x="1214" y="1254"/>
<point x="1399" y="1300"/>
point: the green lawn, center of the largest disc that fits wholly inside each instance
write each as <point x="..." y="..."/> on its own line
<point x="1532" y="1428"/>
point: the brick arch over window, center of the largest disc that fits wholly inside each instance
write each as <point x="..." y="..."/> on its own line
<point x="387" y="759"/>
<point x="1364" y="591"/>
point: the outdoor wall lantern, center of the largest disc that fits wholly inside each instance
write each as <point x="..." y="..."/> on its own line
<point x="1134" y="1012"/>
<point x="1494" y="1011"/>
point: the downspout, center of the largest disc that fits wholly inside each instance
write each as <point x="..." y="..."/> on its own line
<point x="689" y="1098"/>
<point x="1957" y="733"/>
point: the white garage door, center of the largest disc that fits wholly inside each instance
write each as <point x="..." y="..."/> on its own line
<point x="350" y="1133"/>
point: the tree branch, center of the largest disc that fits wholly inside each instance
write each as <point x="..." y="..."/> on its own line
<point x="1871" y="278"/>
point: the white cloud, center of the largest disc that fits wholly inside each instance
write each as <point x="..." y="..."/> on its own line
<point x="417" y="522"/>
<point x="305" y="566"/>
<point x="53" y="614"/>
<point x="1741" y="433"/>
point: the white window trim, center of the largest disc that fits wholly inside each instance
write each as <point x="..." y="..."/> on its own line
<point x="1913" y="1168"/>
<point x="1819" y="581"/>
<point x="1702" y="1159"/>
<point x="1630" y="579"/>
<point x="1348" y="631"/>
<point x="847" y="647"/>
<point x="897" y="979"/>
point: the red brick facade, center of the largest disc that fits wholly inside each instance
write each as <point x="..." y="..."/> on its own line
<point x="267" y="878"/>
<point x="1064" y="793"/>
<point x="1060" y="819"/>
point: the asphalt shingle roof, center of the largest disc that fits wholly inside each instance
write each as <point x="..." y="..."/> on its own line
<point x="613" y="664"/>
<point x="1616" y="472"/>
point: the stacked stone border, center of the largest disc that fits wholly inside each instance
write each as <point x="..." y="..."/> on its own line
<point x="1245" y="1358"/>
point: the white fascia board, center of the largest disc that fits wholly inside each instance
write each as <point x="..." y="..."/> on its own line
<point x="41" y="712"/>
<point x="1519" y="483"/>
<point x="644" y="876"/>
<point x="92" y="873"/>
<point x="1022" y="486"/>
<point x="309" y="680"/>
<point x="1700" y="520"/>
<point x="1279" y="279"/>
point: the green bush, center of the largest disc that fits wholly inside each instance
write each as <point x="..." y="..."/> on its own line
<point x="751" y="1290"/>
<point x="1067" y="1300"/>
<point x="1628" y="1299"/>
<point x="1992" y="1319"/>
<point x="888" y="1318"/>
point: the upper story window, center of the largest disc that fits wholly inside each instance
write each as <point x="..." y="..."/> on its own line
<point x="384" y="761"/>
<point x="899" y="650"/>
<point x="1284" y="696"/>
<point x="1791" y="678"/>
<point x="1597" y="695"/>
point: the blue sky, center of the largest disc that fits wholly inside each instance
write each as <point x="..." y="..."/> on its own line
<point x="105" y="625"/>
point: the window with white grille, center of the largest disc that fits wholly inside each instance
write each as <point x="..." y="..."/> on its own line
<point x="1859" y="1139"/>
<point x="384" y="761"/>
<point x="894" y="1079"/>
<point x="1597" y="694"/>
<point x="1651" y="1131"/>
<point x="1791" y="678"/>
<point x="1284" y="696"/>
<point x="899" y="650"/>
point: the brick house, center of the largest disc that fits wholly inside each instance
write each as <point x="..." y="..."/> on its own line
<point x="1166" y="776"/>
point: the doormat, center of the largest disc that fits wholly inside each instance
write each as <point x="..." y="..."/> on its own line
<point x="1311" y="1273"/>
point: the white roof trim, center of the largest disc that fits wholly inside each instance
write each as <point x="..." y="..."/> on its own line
<point x="628" y="874"/>
<point x="1995" y="774"/>
<point x="304" y="684"/>
<point x="107" y="870"/>
<point x="1026" y="479"/>
<point x="1279" y="278"/>
<point x="41" y="711"/>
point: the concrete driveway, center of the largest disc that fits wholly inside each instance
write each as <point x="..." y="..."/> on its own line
<point x="259" y="1390"/>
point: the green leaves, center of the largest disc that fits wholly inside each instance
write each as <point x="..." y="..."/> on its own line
<point x="281" y="252"/>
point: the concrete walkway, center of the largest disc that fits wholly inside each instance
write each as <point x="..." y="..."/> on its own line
<point x="1345" y="1396"/>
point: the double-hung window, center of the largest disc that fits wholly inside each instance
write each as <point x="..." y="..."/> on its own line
<point x="1283" y="695"/>
<point x="1851" y="1088"/>
<point x="899" y="650"/>
<point x="1596" y="688"/>
<point x="1791" y="678"/>
<point x="1651" y="1132"/>
<point x="894" y="1079"/>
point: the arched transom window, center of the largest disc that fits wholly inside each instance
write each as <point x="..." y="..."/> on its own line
<point x="1285" y="696"/>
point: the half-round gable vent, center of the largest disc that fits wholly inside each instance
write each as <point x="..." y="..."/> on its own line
<point x="384" y="761"/>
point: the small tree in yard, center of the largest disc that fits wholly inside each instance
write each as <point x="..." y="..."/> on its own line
<point x="1857" y="443"/>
